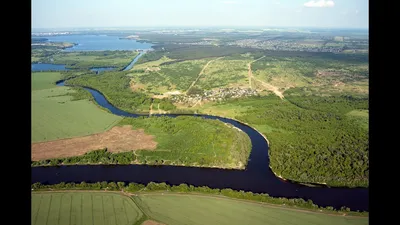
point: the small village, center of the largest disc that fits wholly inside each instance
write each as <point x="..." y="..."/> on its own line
<point x="214" y="95"/>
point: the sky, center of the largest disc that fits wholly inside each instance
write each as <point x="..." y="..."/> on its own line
<point x="209" y="13"/>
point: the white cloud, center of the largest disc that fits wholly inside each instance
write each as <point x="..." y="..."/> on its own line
<point x="229" y="2"/>
<point x="319" y="4"/>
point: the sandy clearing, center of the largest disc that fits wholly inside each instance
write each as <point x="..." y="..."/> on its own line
<point x="117" y="139"/>
<point x="250" y="73"/>
<point x="271" y="88"/>
<point x="134" y="86"/>
<point x="151" y="222"/>
<point x="167" y="94"/>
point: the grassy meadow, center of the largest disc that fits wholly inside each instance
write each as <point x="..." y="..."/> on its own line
<point x="191" y="141"/>
<point x="44" y="80"/>
<point x="173" y="209"/>
<point x="170" y="77"/>
<point x="56" y="114"/>
<point x="191" y="209"/>
<point x="224" y="73"/>
<point x="83" y="208"/>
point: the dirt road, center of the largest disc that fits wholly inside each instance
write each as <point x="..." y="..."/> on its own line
<point x="201" y="72"/>
<point x="266" y="85"/>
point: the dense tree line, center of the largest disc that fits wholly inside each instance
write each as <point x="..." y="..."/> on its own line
<point x="94" y="157"/>
<point x="184" y="188"/>
<point x="341" y="104"/>
<point x="308" y="145"/>
<point x="307" y="63"/>
<point x="86" y="60"/>
<point x="189" y="52"/>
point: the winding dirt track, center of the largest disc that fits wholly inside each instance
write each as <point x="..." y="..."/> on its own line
<point x="201" y="72"/>
<point x="266" y="85"/>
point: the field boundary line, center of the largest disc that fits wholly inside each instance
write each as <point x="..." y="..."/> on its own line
<point x="91" y="199"/>
<point x="81" y="209"/>
<point x="37" y="212"/>
<point x="48" y="211"/>
<point x="70" y="210"/>
<point x="102" y="208"/>
<point x="59" y="210"/>
<point x="112" y="200"/>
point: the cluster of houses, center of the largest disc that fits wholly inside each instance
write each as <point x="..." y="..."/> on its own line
<point x="215" y="95"/>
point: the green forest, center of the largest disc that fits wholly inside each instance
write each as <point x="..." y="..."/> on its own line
<point x="317" y="142"/>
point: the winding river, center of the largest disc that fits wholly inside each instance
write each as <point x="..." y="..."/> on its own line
<point x="257" y="177"/>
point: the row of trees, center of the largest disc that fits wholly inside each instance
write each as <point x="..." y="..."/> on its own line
<point x="184" y="188"/>
<point x="94" y="157"/>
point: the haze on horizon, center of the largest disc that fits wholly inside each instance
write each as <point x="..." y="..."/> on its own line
<point x="197" y="13"/>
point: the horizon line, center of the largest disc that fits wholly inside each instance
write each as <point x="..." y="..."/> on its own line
<point x="201" y="26"/>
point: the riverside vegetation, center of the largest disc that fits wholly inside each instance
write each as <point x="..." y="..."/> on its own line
<point x="211" y="144"/>
<point x="317" y="133"/>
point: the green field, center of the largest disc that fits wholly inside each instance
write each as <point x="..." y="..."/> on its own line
<point x="83" y="208"/>
<point x="225" y="72"/>
<point x="191" y="141"/>
<point x="190" y="209"/>
<point x="55" y="114"/>
<point x="172" y="209"/>
<point x="44" y="80"/>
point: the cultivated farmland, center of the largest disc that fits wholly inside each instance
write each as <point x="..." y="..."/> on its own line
<point x="190" y="209"/>
<point x="55" y="115"/>
<point x="44" y="80"/>
<point x="83" y="208"/>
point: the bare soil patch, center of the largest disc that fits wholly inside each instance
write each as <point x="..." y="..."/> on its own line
<point x="149" y="69"/>
<point x="167" y="94"/>
<point x="135" y="86"/>
<point x="151" y="222"/>
<point x="328" y="73"/>
<point x="117" y="139"/>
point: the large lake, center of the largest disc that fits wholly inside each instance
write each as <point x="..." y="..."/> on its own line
<point x="98" y="42"/>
